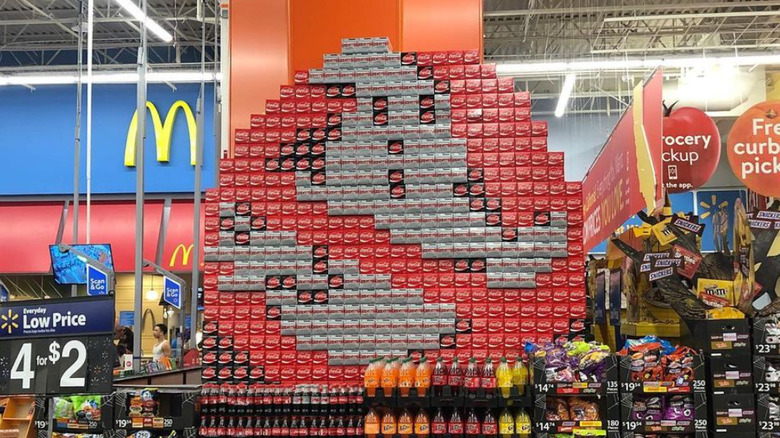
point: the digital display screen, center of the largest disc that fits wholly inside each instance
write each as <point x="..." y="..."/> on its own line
<point x="69" y="269"/>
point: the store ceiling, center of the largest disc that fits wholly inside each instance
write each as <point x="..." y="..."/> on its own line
<point x="38" y="34"/>
<point x="532" y="30"/>
<point x="43" y="35"/>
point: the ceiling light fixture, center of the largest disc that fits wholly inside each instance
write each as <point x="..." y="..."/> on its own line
<point x="139" y="15"/>
<point x="628" y="64"/>
<point x="109" y="78"/>
<point x="568" y="86"/>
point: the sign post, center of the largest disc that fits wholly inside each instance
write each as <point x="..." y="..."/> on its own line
<point x="61" y="346"/>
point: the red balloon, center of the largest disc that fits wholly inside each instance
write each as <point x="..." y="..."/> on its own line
<point x="691" y="149"/>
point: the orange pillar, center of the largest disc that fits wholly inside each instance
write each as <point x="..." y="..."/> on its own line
<point x="259" y="60"/>
<point x="271" y="39"/>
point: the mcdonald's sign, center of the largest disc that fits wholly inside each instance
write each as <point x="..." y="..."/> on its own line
<point x="185" y="255"/>
<point x="163" y="131"/>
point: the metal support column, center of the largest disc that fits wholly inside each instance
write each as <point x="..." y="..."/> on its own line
<point x="197" y="194"/>
<point x="139" y="196"/>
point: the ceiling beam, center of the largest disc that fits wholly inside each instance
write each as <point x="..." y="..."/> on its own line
<point x="594" y="10"/>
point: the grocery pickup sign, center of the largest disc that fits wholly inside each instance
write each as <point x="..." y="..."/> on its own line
<point x="626" y="176"/>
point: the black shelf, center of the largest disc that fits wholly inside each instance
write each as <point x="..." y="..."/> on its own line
<point x="448" y="398"/>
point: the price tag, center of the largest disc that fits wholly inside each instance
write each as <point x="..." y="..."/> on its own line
<point x="57" y="346"/>
<point x="655" y="388"/>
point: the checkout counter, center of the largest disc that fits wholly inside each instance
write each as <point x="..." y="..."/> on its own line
<point x="187" y="374"/>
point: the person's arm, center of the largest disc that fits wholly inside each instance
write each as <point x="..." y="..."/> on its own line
<point x="166" y="348"/>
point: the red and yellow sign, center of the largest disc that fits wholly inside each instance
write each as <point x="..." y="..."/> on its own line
<point x="626" y="176"/>
<point x="754" y="148"/>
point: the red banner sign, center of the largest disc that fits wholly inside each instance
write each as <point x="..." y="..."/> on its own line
<point x="626" y="176"/>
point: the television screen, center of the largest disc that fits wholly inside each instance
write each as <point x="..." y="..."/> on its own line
<point x="68" y="269"/>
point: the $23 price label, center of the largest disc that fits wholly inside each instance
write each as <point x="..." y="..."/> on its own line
<point x="60" y="365"/>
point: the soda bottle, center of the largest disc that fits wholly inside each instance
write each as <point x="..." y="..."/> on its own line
<point x="504" y="379"/>
<point x="489" y="424"/>
<point x="422" y="377"/>
<point x="422" y="424"/>
<point x="488" y="376"/>
<point x="371" y="424"/>
<point x="455" y="425"/>
<point x="405" y="423"/>
<point x="523" y="424"/>
<point x="472" y="423"/>
<point x="472" y="378"/>
<point x="406" y="376"/>
<point x="439" y="424"/>
<point x="506" y="424"/>
<point x="389" y="424"/>
<point x="520" y="375"/>
<point x="359" y="430"/>
<point x="455" y="376"/>
<point x="390" y="376"/>
<point x="372" y="378"/>
<point x="439" y="376"/>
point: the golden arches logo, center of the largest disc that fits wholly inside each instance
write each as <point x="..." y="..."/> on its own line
<point x="163" y="131"/>
<point x="185" y="255"/>
<point x="9" y="321"/>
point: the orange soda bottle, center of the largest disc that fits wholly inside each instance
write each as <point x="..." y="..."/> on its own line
<point x="371" y="424"/>
<point x="406" y="376"/>
<point x="372" y="377"/>
<point x="405" y="423"/>
<point x="390" y="376"/>
<point x="422" y="424"/>
<point x="389" y="426"/>
<point x="422" y="377"/>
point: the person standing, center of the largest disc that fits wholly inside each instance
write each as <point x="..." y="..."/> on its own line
<point x="162" y="349"/>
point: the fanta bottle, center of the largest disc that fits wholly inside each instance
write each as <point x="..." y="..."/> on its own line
<point x="373" y="377"/>
<point x="371" y="424"/>
<point x="390" y="376"/>
<point x="523" y="424"/>
<point x="389" y="426"/>
<point x="506" y="424"/>
<point x="406" y="376"/>
<point x="405" y="424"/>
<point x="422" y="424"/>
<point x="520" y="375"/>
<point x="422" y="377"/>
<point x="504" y="379"/>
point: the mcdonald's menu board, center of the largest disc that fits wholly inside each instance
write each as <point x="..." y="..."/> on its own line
<point x="61" y="346"/>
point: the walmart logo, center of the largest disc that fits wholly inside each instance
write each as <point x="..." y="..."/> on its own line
<point x="9" y="321"/>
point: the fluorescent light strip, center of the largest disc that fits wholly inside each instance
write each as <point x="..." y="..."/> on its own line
<point x="563" y="100"/>
<point x="139" y="15"/>
<point x="109" y="78"/>
<point x="627" y="64"/>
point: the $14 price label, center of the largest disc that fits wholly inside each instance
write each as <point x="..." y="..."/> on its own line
<point x="48" y="366"/>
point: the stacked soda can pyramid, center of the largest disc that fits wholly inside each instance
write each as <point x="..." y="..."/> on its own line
<point x="387" y="203"/>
